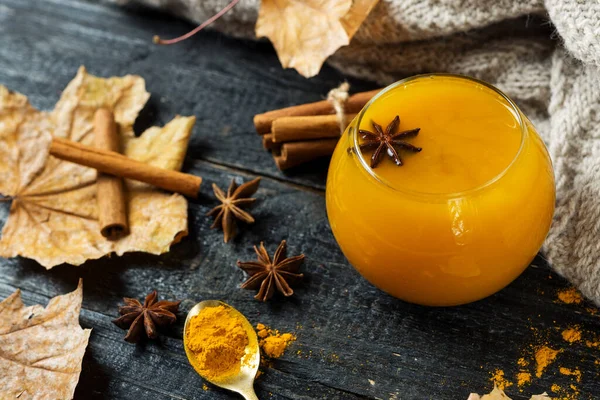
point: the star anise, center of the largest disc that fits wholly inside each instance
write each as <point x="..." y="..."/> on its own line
<point x="138" y="317"/>
<point x="388" y="140"/>
<point x="270" y="275"/>
<point x="229" y="210"/>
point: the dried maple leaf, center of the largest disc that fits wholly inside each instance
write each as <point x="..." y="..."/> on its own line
<point x="41" y="349"/>
<point x="54" y="217"/>
<point x="495" y="394"/>
<point x="306" y="32"/>
<point x="498" y="394"/>
<point x="357" y="14"/>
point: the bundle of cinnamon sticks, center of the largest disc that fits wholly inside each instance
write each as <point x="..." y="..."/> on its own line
<point x="302" y="133"/>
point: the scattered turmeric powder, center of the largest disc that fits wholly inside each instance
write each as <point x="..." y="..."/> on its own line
<point x="570" y="296"/>
<point x="217" y="339"/>
<point x="565" y="392"/>
<point x="274" y="346"/>
<point x="262" y="331"/>
<point x="522" y="362"/>
<point x="571" y="335"/>
<point x="273" y="343"/>
<point x="574" y="388"/>
<point x="574" y="372"/>
<point x="591" y="344"/>
<point x="592" y="310"/>
<point x="544" y="356"/>
<point x="523" y="378"/>
<point x="499" y="380"/>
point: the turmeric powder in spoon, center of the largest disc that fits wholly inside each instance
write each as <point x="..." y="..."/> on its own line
<point x="222" y="346"/>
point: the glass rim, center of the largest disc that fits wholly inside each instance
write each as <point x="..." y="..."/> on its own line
<point x="445" y="195"/>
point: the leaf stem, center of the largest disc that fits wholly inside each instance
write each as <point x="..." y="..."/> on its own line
<point x="158" y="40"/>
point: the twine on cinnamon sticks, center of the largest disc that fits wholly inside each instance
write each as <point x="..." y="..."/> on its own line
<point x="302" y="133"/>
<point x="338" y="97"/>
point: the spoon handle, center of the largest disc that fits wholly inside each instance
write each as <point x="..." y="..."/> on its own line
<point x="249" y="394"/>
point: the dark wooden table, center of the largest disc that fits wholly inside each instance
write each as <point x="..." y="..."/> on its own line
<point x="353" y="340"/>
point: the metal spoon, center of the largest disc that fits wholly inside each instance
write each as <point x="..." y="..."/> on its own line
<point x="243" y="382"/>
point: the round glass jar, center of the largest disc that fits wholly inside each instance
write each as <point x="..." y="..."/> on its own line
<point x="457" y="221"/>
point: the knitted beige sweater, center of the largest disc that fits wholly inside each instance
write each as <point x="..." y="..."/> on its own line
<point x="551" y="70"/>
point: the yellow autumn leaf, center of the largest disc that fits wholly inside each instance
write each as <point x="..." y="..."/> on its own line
<point x="357" y="14"/>
<point x="41" y="349"/>
<point x="495" y="394"/>
<point x="498" y="394"/>
<point x="54" y="215"/>
<point x="306" y="32"/>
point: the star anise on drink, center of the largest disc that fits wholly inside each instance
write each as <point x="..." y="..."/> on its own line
<point x="140" y="318"/>
<point x="229" y="210"/>
<point x="268" y="275"/>
<point x="389" y="141"/>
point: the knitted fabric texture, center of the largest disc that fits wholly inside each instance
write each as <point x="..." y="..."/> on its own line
<point x="543" y="54"/>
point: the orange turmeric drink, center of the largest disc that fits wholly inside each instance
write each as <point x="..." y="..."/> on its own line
<point x="440" y="192"/>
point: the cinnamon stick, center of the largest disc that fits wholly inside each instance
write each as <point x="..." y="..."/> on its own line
<point x="117" y="164"/>
<point x="263" y="122"/>
<point x="296" y="153"/>
<point x="268" y="142"/>
<point x="112" y="211"/>
<point x="290" y="129"/>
